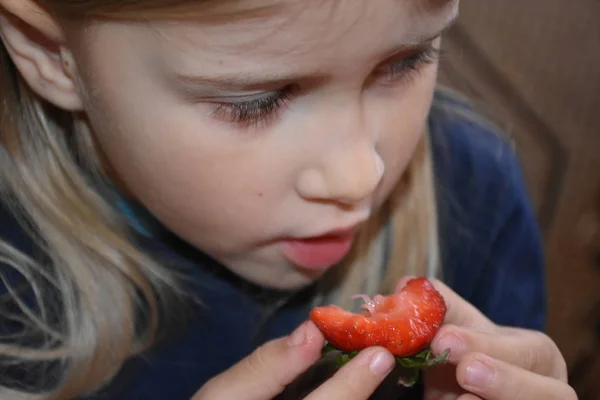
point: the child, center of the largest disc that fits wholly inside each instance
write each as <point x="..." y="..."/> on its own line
<point x="183" y="180"/>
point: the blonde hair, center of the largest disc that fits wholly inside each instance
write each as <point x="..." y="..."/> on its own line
<point x="109" y="295"/>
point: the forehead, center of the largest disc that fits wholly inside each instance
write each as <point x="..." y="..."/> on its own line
<point x="296" y="26"/>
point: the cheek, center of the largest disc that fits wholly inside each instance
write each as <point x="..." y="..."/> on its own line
<point x="194" y="175"/>
<point x="168" y="155"/>
<point x="404" y="126"/>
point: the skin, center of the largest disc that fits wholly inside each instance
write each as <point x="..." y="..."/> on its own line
<point x="520" y="364"/>
<point x="234" y="190"/>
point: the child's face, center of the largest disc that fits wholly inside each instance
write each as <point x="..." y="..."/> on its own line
<point x="241" y="135"/>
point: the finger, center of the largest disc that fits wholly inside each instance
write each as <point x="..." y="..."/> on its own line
<point x="358" y="379"/>
<point x="460" y="312"/>
<point x="268" y="370"/>
<point x="530" y="350"/>
<point x="493" y="379"/>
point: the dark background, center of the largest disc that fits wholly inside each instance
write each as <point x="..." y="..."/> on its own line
<point x="535" y="67"/>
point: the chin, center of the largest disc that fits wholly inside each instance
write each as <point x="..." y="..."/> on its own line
<point x="295" y="280"/>
<point x="286" y="279"/>
<point x="299" y="280"/>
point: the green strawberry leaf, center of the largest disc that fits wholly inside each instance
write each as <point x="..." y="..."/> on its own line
<point x="423" y="359"/>
<point x="411" y="365"/>
<point x="328" y="349"/>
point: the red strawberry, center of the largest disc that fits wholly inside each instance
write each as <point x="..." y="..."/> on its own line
<point x="404" y="323"/>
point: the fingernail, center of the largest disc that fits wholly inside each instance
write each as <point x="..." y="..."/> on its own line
<point x="452" y="342"/>
<point x="381" y="363"/>
<point x="298" y="336"/>
<point x="479" y="375"/>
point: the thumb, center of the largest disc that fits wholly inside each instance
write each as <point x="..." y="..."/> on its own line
<point x="269" y="369"/>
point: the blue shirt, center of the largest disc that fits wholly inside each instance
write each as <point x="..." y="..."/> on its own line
<point x="491" y="255"/>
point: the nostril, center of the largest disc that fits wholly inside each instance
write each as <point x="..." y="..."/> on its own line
<point x="311" y="185"/>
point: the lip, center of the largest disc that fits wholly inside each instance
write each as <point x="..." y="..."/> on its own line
<point x="317" y="253"/>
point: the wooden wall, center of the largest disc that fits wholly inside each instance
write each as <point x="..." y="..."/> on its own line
<point x="535" y="65"/>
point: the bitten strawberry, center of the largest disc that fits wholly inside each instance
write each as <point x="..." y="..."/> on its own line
<point x="403" y="323"/>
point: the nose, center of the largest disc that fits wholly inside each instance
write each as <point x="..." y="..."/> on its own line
<point x="348" y="175"/>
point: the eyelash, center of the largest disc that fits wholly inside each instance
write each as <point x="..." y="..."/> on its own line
<point x="254" y="112"/>
<point x="408" y="66"/>
<point x="260" y="111"/>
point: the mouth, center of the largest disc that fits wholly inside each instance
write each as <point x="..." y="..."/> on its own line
<point x="318" y="253"/>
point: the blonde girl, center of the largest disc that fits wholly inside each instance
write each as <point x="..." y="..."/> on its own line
<point x="183" y="180"/>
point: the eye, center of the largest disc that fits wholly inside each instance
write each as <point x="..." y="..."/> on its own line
<point x="251" y="113"/>
<point x="409" y="65"/>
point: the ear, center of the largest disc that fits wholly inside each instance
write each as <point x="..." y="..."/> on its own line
<point x="36" y="44"/>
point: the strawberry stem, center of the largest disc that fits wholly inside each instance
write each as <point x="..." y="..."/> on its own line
<point x="410" y="365"/>
<point x="368" y="307"/>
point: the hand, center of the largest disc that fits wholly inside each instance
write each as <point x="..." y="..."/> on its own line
<point x="491" y="362"/>
<point x="266" y="372"/>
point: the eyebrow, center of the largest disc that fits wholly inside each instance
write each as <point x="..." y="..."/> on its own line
<point x="420" y="41"/>
<point x="248" y="82"/>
